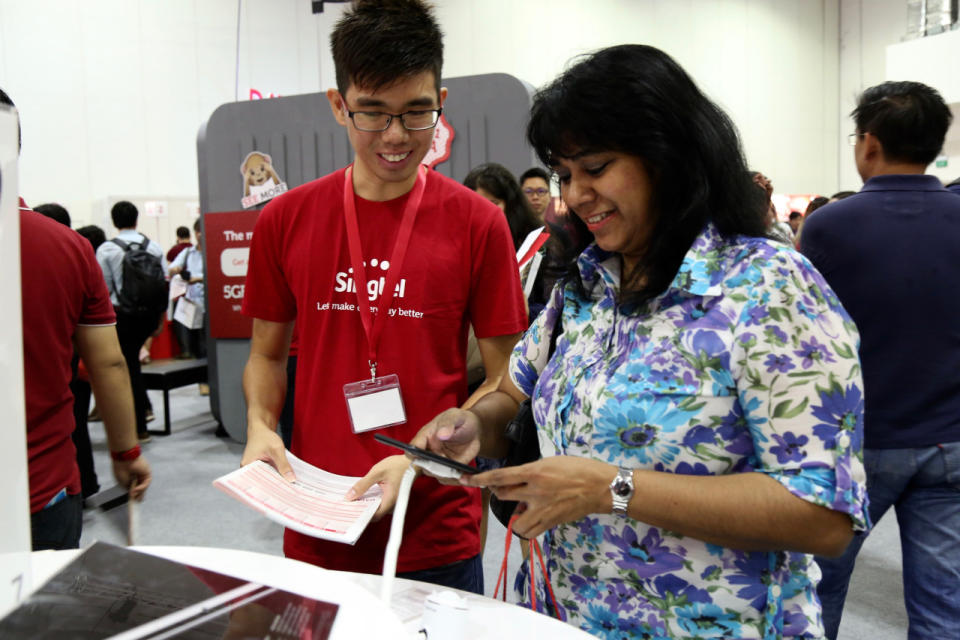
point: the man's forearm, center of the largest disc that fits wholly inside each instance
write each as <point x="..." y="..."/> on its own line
<point x="264" y="387"/>
<point x="494" y="410"/>
<point x="111" y="388"/>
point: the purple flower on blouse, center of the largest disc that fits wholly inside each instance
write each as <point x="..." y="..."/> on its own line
<point x="776" y="333"/>
<point x="756" y="315"/>
<point x="751" y="566"/>
<point x="649" y="557"/>
<point x="840" y="411"/>
<point x="698" y="469"/>
<point x="779" y="363"/>
<point x="663" y="376"/>
<point x="680" y="588"/>
<point x="699" y="435"/>
<point x="789" y="447"/>
<point x="811" y="351"/>
<point x="621" y="596"/>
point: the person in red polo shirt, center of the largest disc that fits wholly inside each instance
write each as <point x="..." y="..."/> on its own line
<point x="384" y="266"/>
<point x="65" y="304"/>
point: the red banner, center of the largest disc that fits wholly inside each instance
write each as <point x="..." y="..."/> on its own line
<point x="227" y="241"/>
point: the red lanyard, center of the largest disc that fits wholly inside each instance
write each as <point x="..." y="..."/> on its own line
<point x="534" y="247"/>
<point x="374" y="327"/>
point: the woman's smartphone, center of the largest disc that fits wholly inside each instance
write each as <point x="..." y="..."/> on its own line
<point x="428" y="457"/>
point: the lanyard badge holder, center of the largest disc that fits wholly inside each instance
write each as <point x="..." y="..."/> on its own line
<point x="377" y="403"/>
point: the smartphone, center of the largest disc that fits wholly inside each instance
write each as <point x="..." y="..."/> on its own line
<point x="428" y="459"/>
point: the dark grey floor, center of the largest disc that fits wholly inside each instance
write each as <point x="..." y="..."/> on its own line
<point x="183" y="508"/>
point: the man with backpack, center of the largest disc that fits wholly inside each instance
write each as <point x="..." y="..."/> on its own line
<point x="134" y="267"/>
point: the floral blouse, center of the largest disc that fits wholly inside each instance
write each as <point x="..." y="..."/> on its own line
<point x="747" y="362"/>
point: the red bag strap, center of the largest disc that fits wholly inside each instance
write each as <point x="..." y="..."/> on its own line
<point x="502" y="576"/>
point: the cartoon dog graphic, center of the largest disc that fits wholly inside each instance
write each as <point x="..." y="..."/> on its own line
<point x="258" y="173"/>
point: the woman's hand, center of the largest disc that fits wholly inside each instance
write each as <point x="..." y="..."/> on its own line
<point x="552" y="491"/>
<point x="387" y="473"/>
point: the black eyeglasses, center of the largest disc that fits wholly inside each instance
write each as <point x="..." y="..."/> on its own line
<point x="853" y="137"/>
<point x="374" y="121"/>
<point x="541" y="191"/>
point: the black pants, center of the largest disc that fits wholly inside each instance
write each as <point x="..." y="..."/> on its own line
<point x="58" y="527"/>
<point x="132" y="332"/>
<point x="81" y="437"/>
<point x="192" y="341"/>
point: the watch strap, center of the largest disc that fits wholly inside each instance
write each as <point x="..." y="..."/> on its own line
<point x="621" y="490"/>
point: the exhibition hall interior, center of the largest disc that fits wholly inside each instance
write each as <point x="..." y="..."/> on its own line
<point x="679" y="282"/>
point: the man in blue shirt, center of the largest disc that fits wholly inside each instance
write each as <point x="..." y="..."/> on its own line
<point x="890" y="254"/>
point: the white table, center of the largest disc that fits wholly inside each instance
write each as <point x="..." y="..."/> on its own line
<point x="361" y="613"/>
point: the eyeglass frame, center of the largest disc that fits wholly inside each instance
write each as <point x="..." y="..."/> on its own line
<point x="391" y="116"/>
<point x="539" y="191"/>
<point x="853" y="137"/>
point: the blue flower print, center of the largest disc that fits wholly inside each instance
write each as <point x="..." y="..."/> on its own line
<point x="526" y="376"/>
<point x="781" y="363"/>
<point x="649" y="557"/>
<point x="812" y="351"/>
<point x="700" y="619"/>
<point x="681" y="590"/>
<point x="840" y="411"/>
<point x="633" y="429"/>
<point x="789" y="447"/>
<point x="585" y="589"/>
<point x="698" y="469"/>
<point x="709" y="344"/>
<point x="694" y="382"/>
<point x="751" y="572"/>
<point x="807" y="308"/>
<point x="663" y="376"/>
<point x="698" y="435"/>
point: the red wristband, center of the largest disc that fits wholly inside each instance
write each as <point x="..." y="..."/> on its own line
<point x="126" y="456"/>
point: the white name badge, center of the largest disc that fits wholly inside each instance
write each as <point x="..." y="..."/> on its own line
<point x="375" y="404"/>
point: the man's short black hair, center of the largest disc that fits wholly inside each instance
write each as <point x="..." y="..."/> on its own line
<point x="795" y="214"/>
<point x="124" y="215"/>
<point x="379" y="42"/>
<point x="5" y="99"/>
<point x="94" y="234"/>
<point x="54" y="211"/>
<point x="196" y="225"/>
<point x="535" y="172"/>
<point x="909" y="119"/>
<point x="183" y="233"/>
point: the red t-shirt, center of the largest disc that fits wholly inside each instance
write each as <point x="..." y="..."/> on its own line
<point x="460" y="269"/>
<point x="176" y="249"/>
<point x="62" y="286"/>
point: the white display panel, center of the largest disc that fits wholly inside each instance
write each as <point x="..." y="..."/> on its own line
<point x="15" y="506"/>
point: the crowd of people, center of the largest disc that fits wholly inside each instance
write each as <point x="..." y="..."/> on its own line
<point x="726" y="398"/>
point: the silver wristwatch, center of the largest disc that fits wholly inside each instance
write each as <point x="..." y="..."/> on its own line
<point x="621" y="490"/>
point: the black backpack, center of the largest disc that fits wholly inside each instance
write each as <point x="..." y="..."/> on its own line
<point x="143" y="289"/>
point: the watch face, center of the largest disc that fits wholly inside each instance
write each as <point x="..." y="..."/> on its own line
<point x="622" y="489"/>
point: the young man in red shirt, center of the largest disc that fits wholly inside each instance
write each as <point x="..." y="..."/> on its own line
<point x="384" y="266"/>
<point x="65" y="306"/>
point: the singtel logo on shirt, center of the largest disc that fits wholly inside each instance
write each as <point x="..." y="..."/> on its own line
<point x="345" y="282"/>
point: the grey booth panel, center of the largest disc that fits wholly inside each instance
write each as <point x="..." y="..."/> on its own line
<point x="487" y="112"/>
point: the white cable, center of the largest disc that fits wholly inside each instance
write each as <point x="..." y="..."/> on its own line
<point x="396" y="535"/>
